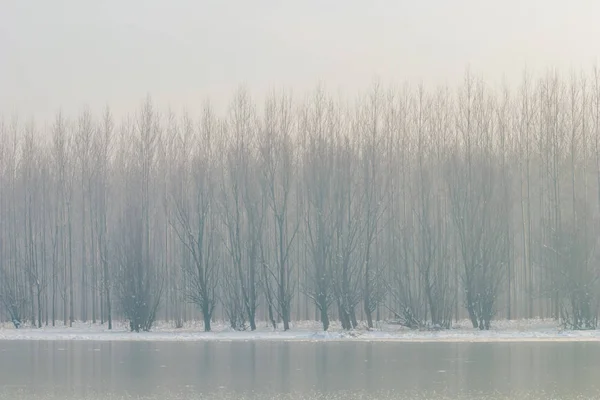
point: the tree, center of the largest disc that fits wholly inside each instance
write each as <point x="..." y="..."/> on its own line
<point x="139" y="282"/>
<point x="102" y="152"/>
<point x="402" y="204"/>
<point x="83" y="144"/>
<point x="241" y="215"/>
<point x="33" y="229"/>
<point x="571" y="252"/>
<point x="576" y="280"/>
<point x="196" y="223"/>
<point x="13" y="290"/>
<point x="321" y="122"/>
<point x="476" y="207"/>
<point x="347" y="232"/>
<point x="375" y="187"/>
<point x="525" y="123"/>
<point x="277" y="180"/>
<point x="62" y="178"/>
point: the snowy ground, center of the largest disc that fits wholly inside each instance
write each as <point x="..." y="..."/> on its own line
<point x="522" y="330"/>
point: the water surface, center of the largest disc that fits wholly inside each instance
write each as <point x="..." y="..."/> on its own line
<point x="299" y="370"/>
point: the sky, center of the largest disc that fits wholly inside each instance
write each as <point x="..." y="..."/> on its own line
<point x="68" y="54"/>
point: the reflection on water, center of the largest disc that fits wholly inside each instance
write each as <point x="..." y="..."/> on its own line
<point x="259" y="370"/>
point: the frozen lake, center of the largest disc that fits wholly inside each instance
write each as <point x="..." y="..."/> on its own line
<point x="298" y="370"/>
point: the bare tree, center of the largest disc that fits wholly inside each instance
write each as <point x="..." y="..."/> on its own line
<point x="348" y="228"/>
<point x="277" y="163"/>
<point x="242" y="211"/>
<point x="33" y="243"/>
<point x="321" y="122"/>
<point x="139" y="283"/>
<point x="408" y="258"/>
<point x="196" y="223"/>
<point x="525" y="123"/>
<point x="83" y="147"/>
<point x="428" y="248"/>
<point x="375" y="192"/>
<point x="476" y="207"/>
<point x="102" y="151"/>
<point x="60" y="153"/>
<point x="13" y="289"/>
<point x="398" y="205"/>
<point x="571" y="247"/>
<point x="576" y="279"/>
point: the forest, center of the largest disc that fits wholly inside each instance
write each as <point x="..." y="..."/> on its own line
<point x="404" y="203"/>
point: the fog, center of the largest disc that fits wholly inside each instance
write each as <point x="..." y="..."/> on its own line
<point x="315" y="170"/>
<point x="67" y="53"/>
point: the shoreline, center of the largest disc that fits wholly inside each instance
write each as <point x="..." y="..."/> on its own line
<point x="306" y="331"/>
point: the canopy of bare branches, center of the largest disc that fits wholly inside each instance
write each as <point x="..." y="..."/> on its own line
<point x="408" y="204"/>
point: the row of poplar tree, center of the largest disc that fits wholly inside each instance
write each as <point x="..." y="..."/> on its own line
<point x="418" y="205"/>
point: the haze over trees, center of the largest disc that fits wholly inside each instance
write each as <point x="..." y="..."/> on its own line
<point x="412" y="204"/>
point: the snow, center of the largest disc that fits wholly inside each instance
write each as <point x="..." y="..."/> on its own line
<point x="502" y="331"/>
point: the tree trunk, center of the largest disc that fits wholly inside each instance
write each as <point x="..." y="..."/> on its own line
<point x="39" y="306"/>
<point x="206" y="314"/>
<point x="71" y="295"/>
<point x="324" y="318"/>
<point x="367" y="298"/>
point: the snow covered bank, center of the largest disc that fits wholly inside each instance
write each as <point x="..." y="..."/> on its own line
<point x="502" y="331"/>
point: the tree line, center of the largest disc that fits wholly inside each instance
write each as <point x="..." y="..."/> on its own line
<point x="416" y="205"/>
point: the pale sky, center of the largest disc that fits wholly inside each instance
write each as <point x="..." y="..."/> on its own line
<point x="68" y="53"/>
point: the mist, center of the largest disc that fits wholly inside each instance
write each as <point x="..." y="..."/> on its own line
<point x="67" y="54"/>
<point x="385" y="199"/>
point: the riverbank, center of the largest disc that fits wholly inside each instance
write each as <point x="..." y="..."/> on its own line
<point x="502" y="331"/>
